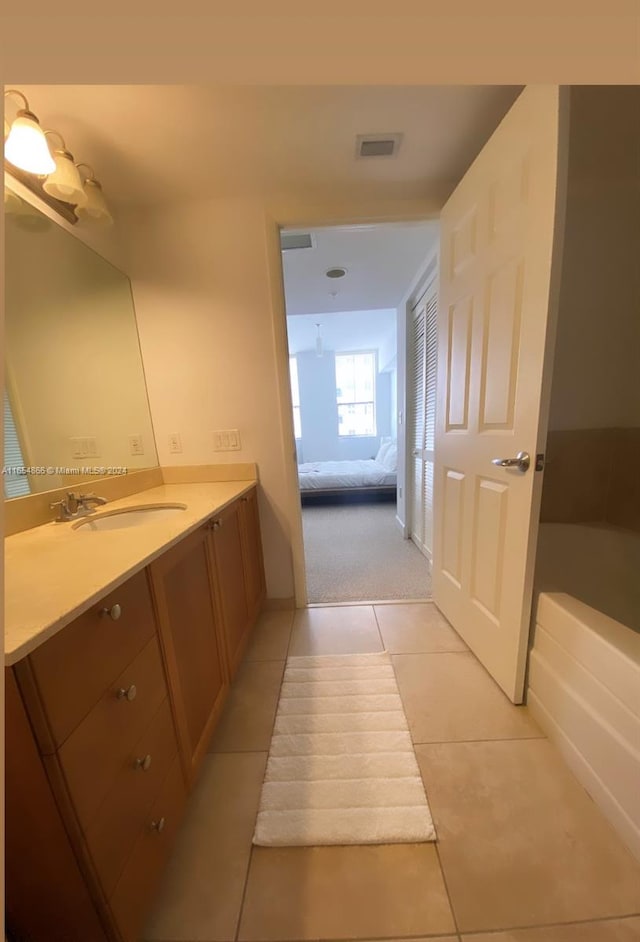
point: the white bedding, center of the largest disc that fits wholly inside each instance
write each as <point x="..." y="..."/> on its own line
<point x="318" y="475"/>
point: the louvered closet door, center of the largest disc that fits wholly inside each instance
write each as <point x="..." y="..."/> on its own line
<point x="417" y="390"/>
<point x="431" y="358"/>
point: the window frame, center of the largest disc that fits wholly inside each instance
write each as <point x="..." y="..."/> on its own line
<point x="359" y="402"/>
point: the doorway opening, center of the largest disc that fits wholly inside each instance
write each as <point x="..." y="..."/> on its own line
<point x="359" y="418"/>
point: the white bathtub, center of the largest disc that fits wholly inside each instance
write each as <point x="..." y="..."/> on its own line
<point x="584" y="667"/>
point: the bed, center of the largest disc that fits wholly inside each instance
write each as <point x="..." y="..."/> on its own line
<point x="370" y="477"/>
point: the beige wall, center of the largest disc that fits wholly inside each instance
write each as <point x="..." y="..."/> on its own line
<point x="595" y="374"/>
<point x="206" y="282"/>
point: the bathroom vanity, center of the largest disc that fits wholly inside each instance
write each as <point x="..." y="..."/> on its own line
<point x="120" y="648"/>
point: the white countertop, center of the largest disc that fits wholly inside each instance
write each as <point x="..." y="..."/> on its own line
<point x="54" y="573"/>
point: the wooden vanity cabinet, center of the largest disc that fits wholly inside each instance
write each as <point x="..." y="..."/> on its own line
<point x="192" y="641"/>
<point x="255" y="588"/>
<point x="239" y="572"/>
<point x="100" y="734"/>
<point x="107" y="724"/>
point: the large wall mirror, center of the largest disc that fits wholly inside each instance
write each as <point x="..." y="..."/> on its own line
<point x="75" y="399"/>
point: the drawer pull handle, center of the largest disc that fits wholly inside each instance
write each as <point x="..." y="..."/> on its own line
<point x="114" y="612"/>
<point x="158" y="825"/>
<point x="143" y="763"/>
<point x="129" y="693"/>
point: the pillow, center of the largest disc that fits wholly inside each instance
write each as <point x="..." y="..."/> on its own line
<point x="382" y="451"/>
<point x="390" y="459"/>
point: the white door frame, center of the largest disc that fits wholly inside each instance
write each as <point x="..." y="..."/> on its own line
<point x="291" y="513"/>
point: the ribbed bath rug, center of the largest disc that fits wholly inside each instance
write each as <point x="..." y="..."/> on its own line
<point x="341" y="766"/>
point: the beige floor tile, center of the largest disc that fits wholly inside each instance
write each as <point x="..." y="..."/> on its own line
<point x="348" y="629"/>
<point x="450" y="697"/>
<point x="246" y="723"/>
<point x="520" y="841"/>
<point x="270" y="638"/>
<point x="344" y="893"/>
<point x="200" y="895"/>
<point x="611" y="930"/>
<point x="416" y="629"/>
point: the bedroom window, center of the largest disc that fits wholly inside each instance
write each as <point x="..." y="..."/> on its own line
<point x="295" y="396"/>
<point x="356" y="393"/>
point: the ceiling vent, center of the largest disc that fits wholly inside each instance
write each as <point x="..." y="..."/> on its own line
<point x="377" y="145"/>
<point x="296" y="240"/>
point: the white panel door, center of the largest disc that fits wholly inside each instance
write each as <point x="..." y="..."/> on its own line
<point x="500" y="239"/>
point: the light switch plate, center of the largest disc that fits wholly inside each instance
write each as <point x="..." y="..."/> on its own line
<point x="226" y="440"/>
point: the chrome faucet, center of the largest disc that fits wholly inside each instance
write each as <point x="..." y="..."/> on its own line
<point x="76" y="505"/>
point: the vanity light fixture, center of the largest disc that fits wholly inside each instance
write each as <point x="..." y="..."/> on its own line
<point x="65" y="183"/>
<point x="55" y="179"/>
<point x="95" y="208"/>
<point x="26" y="146"/>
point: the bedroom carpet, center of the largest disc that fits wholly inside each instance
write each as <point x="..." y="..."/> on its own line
<point x="355" y="553"/>
<point x="341" y="766"/>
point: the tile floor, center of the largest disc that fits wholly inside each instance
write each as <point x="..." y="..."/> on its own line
<point x="523" y="854"/>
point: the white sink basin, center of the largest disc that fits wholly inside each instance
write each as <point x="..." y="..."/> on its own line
<point x="128" y="517"/>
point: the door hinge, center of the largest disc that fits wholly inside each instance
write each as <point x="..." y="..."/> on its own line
<point x="539" y="462"/>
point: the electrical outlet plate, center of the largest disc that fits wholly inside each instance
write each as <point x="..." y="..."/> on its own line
<point x="175" y="443"/>
<point x="136" y="446"/>
<point x="226" y="440"/>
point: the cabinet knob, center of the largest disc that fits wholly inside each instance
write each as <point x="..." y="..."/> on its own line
<point x="216" y="524"/>
<point x="143" y="763"/>
<point x="114" y="612"/>
<point x="130" y="693"/>
<point x="158" y="825"/>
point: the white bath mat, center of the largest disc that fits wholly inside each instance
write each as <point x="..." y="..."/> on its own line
<point x="341" y="766"/>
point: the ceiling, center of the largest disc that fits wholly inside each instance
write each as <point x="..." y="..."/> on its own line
<point x="381" y="261"/>
<point x="157" y="144"/>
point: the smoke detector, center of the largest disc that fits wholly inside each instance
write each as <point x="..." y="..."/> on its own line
<point x="378" y="145"/>
<point x="337" y="272"/>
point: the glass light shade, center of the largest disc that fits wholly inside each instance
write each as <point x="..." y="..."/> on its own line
<point x="65" y="182"/>
<point x="26" y="147"/>
<point x="95" y="209"/>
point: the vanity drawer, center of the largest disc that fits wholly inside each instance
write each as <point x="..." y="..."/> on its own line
<point x="96" y="751"/>
<point x="139" y="879"/>
<point x="75" y="667"/>
<point x="125" y="809"/>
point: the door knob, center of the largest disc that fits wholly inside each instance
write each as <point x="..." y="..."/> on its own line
<point x="521" y="461"/>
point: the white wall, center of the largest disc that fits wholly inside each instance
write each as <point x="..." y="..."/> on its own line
<point x="319" y="412"/>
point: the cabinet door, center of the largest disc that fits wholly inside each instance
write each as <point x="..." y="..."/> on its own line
<point x="226" y="531"/>
<point x="191" y="640"/>
<point x="46" y="894"/>
<point x="252" y="553"/>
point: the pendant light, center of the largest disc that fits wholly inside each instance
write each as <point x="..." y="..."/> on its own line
<point x="26" y="146"/>
<point x="95" y="208"/>
<point x="319" y="350"/>
<point x="65" y="183"/>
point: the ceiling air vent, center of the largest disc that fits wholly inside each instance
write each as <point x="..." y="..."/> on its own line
<point x="296" y="240"/>
<point x="377" y="145"/>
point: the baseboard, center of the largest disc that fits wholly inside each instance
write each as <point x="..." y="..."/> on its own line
<point x="586" y="775"/>
<point x="279" y="605"/>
